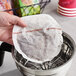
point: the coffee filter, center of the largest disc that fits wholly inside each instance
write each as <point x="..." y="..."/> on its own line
<point x="37" y="24"/>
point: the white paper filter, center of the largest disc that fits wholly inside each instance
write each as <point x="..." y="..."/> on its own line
<point x="40" y="41"/>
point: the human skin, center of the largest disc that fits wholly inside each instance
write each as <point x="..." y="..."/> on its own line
<point x="7" y="22"/>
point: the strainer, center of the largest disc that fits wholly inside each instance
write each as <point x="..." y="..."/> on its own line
<point x="49" y="68"/>
<point x="41" y="3"/>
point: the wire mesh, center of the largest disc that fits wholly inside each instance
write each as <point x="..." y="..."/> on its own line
<point x="42" y="4"/>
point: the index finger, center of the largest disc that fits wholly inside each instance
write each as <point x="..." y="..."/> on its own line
<point x="17" y="21"/>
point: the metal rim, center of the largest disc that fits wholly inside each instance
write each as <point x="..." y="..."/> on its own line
<point x="74" y="46"/>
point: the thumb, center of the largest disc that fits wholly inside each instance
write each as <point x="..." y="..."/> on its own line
<point x="17" y="21"/>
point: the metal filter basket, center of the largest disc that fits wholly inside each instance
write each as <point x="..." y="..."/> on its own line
<point x="16" y="10"/>
<point x="57" y="67"/>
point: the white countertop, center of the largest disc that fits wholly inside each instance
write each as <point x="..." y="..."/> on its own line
<point x="68" y="25"/>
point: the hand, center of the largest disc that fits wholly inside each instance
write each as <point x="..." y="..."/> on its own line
<point x="6" y="25"/>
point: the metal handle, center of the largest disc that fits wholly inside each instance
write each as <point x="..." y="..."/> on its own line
<point x="1" y="56"/>
<point x="4" y="47"/>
